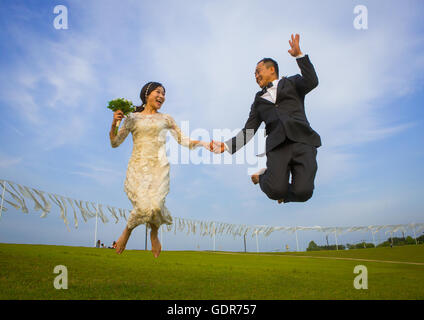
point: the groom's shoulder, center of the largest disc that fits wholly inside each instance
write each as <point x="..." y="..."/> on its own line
<point x="293" y="77"/>
<point x="256" y="98"/>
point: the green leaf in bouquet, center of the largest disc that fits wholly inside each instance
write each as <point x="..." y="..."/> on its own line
<point x="126" y="106"/>
<point x="122" y="104"/>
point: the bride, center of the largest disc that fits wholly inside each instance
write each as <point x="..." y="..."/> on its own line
<point x="147" y="179"/>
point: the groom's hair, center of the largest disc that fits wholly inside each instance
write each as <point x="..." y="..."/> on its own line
<point x="270" y="62"/>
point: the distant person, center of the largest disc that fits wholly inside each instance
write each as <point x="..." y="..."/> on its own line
<point x="113" y="245"/>
<point x="98" y="244"/>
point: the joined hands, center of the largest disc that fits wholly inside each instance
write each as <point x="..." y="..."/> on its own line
<point x="217" y="146"/>
<point x="214" y="146"/>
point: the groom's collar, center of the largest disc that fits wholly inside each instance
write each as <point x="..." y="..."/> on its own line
<point x="275" y="82"/>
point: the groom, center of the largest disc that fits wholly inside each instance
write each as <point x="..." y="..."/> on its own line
<point x="291" y="146"/>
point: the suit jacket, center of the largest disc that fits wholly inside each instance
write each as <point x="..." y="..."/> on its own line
<point x="285" y="118"/>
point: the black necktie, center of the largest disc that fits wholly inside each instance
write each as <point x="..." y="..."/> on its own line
<point x="269" y="85"/>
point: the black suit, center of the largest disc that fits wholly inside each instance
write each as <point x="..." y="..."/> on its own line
<point x="291" y="145"/>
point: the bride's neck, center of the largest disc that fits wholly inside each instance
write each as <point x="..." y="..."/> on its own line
<point x="149" y="110"/>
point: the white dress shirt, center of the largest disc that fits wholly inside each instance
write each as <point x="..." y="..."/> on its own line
<point x="270" y="94"/>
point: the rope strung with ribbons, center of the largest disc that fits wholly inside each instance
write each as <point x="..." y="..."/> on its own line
<point x="89" y="209"/>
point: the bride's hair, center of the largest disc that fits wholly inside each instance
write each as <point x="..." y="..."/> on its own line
<point x="144" y="93"/>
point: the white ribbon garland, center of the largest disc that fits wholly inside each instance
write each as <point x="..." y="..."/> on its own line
<point x="204" y="228"/>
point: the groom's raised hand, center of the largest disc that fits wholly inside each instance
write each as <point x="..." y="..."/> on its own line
<point x="294" y="44"/>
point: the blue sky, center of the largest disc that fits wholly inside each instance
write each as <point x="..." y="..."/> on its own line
<point x="55" y="85"/>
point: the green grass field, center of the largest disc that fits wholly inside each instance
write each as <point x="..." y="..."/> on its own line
<point x="26" y="272"/>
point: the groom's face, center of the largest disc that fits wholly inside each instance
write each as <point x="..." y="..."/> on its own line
<point x="264" y="74"/>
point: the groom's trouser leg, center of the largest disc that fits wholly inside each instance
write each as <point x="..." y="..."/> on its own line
<point x="297" y="158"/>
<point x="303" y="166"/>
<point x="274" y="182"/>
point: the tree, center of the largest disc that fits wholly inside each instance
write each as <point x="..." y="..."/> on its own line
<point x="409" y="240"/>
<point x="312" y="246"/>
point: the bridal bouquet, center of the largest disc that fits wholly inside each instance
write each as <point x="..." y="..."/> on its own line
<point x="122" y="104"/>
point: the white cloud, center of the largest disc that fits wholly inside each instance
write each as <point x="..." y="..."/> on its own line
<point x="8" y="161"/>
<point x="100" y="170"/>
<point x="53" y="87"/>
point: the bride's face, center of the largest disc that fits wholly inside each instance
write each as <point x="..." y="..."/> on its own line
<point x="156" y="98"/>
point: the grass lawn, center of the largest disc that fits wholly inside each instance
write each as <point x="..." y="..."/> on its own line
<point x="26" y="272"/>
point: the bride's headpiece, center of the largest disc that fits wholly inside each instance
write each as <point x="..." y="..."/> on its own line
<point x="145" y="91"/>
<point x="145" y="94"/>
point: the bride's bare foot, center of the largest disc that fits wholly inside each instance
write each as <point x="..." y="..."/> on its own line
<point x="156" y="246"/>
<point x="122" y="241"/>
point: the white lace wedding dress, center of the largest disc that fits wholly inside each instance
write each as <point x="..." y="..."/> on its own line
<point x="147" y="180"/>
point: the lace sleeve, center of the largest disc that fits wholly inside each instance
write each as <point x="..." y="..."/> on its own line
<point x="123" y="132"/>
<point x="178" y="135"/>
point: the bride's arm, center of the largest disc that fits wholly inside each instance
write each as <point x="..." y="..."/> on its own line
<point x="117" y="139"/>
<point x="181" y="138"/>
